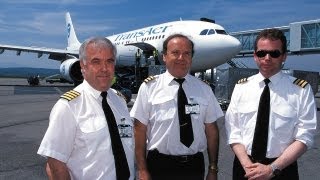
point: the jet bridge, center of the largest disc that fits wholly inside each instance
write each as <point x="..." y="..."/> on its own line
<point x="302" y="38"/>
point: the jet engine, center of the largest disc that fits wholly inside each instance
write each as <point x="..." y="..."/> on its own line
<point x="71" y="71"/>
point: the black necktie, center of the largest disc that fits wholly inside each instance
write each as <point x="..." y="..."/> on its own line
<point x="260" y="139"/>
<point x="186" y="132"/>
<point x="120" y="159"/>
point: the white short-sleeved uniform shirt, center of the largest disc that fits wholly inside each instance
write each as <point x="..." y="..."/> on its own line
<point x="78" y="134"/>
<point x="156" y="107"/>
<point x="292" y="113"/>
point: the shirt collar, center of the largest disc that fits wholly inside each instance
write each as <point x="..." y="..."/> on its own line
<point x="168" y="78"/>
<point x="273" y="79"/>
<point x="95" y="93"/>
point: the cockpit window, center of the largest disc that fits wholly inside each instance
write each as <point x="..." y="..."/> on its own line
<point x="207" y="32"/>
<point x="204" y="32"/>
<point x="219" y="31"/>
<point x="211" y="31"/>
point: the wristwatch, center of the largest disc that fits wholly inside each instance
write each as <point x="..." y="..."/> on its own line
<point x="275" y="170"/>
<point x="213" y="168"/>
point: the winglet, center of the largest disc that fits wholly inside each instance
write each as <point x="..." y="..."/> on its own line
<point x="73" y="42"/>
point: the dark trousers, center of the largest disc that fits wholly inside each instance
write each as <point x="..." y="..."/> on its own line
<point x="288" y="173"/>
<point x="167" y="167"/>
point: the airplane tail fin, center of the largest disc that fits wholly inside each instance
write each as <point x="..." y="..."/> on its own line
<point x="73" y="42"/>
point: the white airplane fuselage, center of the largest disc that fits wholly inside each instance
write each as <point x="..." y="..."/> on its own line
<point x="210" y="50"/>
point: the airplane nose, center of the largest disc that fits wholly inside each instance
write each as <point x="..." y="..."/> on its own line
<point x="235" y="44"/>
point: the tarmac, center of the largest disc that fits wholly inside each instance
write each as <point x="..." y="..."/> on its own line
<point x="24" y="113"/>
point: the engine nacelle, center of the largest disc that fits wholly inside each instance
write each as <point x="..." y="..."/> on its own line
<point x="71" y="71"/>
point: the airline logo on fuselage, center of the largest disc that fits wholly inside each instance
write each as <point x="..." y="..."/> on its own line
<point x="144" y="32"/>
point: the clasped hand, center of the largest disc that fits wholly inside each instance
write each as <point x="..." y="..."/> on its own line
<point x="258" y="171"/>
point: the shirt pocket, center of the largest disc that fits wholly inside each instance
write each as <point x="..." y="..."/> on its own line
<point x="92" y="123"/>
<point x="284" y="117"/>
<point x="93" y="132"/>
<point x="164" y="108"/>
<point x="247" y="115"/>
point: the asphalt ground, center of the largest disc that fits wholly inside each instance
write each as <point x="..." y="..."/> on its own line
<point x="24" y="112"/>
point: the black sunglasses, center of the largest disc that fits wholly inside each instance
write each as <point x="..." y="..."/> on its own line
<point x="273" y="53"/>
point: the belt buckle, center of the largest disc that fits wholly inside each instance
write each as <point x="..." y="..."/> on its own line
<point x="184" y="158"/>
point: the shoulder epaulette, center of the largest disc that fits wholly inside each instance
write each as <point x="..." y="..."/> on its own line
<point x="121" y="95"/>
<point x="242" y="80"/>
<point x="300" y="82"/>
<point x="70" y="95"/>
<point x="148" y="79"/>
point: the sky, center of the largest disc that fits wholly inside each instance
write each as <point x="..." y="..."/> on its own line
<point x="41" y="23"/>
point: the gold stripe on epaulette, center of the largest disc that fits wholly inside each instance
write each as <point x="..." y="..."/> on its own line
<point x="149" y="79"/>
<point x="242" y="80"/>
<point x="300" y="82"/>
<point x="121" y="95"/>
<point x="70" y="95"/>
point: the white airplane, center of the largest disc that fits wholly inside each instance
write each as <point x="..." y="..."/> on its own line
<point x="213" y="46"/>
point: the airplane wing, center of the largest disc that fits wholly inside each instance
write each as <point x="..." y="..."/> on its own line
<point x="55" y="54"/>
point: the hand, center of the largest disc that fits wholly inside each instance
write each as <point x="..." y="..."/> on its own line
<point x="48" y="171"/>
<point x="143" y="175"/>
<point x="258" y="171"/>
<point x="212" y="176"/>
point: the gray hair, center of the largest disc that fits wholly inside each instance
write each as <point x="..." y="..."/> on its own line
<point x="99" y="42"/>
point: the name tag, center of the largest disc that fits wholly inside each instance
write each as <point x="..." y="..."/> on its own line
<point x="125" y="130"/>
<point x="192" y="108"/>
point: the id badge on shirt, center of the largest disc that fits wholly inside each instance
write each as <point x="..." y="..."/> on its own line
<point x="192" y="108"/>
<point x="125" y="130"/>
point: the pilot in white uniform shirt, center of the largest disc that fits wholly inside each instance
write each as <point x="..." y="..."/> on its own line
<point x="292" y="113"/>
<point x="156" y="107"/>
<point x="78" y="134"/>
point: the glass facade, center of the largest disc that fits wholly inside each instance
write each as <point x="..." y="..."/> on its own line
<point x="310" y="36"/>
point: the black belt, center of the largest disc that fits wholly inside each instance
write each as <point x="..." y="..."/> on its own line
<point x="179" y="158"/>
